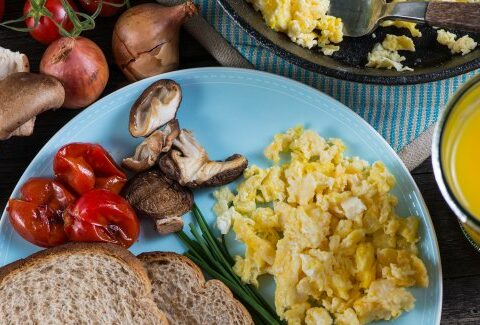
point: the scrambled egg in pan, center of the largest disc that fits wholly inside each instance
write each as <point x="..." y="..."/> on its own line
<point x="307" y="23"/>
<point x="324" y="225"/>
<point x="385" y="55"/>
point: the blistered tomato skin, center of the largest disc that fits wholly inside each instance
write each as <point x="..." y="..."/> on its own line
<point x="37" y="216"/>
<point x="102" y="216"/>
<point x="85" y="166"/>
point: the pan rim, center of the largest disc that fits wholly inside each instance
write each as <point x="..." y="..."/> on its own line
<point x="354" y="74"/>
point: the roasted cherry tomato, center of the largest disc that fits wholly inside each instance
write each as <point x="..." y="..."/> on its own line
<point x="84" y="166"/>
<point x="108" y="10"/>
<point x="37" y="216"/>
<point x="46" y="31"/>
<point x="101" y="216"/>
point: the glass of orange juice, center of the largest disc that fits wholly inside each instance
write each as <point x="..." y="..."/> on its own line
<point x="456" y="157"/>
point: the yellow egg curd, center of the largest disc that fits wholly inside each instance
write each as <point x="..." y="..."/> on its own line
<point x="324" y="226"/>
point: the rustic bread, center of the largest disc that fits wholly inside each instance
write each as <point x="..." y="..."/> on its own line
<point x="78" y="283"/>
<point x="180" y="290"/>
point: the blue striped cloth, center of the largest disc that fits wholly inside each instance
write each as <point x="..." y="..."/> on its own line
<point x="399" y="113"/>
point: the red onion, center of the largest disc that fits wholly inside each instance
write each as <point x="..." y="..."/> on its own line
<point x="81" y="67"/>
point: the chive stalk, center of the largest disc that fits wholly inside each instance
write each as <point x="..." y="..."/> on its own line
<point x="212" y="255"/>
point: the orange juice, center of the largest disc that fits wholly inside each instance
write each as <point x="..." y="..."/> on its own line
<point x="466" y="162"/>
<point x="456" y="157"/>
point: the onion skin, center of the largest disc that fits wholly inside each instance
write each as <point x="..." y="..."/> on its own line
<point x="145" y="39"/>
<point x="81" y="67"/>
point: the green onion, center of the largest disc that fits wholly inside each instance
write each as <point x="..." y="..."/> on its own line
<point x="212" y="255"/>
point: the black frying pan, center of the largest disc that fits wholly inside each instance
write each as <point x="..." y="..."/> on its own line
<point x="431" y="61"/>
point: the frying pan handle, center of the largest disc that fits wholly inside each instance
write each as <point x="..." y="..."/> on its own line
<point x="461" y="16"/>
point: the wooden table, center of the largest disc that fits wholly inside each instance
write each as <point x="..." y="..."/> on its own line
<point x="461" y="263"/>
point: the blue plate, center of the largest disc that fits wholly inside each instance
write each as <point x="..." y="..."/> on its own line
<point x="233" y="110"/>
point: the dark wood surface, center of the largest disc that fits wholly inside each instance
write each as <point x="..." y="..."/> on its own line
<point x="461" y="263"/>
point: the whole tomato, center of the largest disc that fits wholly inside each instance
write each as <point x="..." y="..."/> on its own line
<point x="84" y="166"/>
<point x="37" y="216"/>
<point x="46" y="31"/>
<point x="101" y="216"/>
<point x="108" y="10"/>
<point x="2" y="9"/>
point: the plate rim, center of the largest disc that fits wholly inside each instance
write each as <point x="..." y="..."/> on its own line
<point x="347" y="75"/>
<point x="227" y="70"/>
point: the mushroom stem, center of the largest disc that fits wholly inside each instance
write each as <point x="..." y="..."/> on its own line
<point x="147" y="153"/>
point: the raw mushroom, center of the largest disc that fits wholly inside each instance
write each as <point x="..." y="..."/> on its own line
<point x="147" y="153"/>
<point x="23" y="96"/>
<point x="155" y="107"/>
<point x="154" y="196"/>
<point x="190" y="165"/>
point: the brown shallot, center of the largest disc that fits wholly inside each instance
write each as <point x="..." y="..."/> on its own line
<point x="145" y="39"/>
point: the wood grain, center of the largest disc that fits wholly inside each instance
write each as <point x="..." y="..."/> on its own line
<point x="461" y="16"/>
<point x="461" y="263"/>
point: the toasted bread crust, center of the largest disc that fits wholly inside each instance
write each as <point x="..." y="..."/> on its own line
<point x="115" y="251"/>
<point x="87" y="248"/>
<point x="161" y="256"/>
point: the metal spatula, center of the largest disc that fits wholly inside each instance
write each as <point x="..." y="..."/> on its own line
<point x="361" y="17"/>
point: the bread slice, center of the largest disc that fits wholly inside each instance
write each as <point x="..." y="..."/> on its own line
<point x="180" y="290"/>
<point x="78" y="283"/>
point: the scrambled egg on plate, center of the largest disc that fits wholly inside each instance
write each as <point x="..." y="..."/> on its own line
<point x="324" y="225"/>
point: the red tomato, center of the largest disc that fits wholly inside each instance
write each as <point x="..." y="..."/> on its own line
<point x="46" y="31"/>
<point x="2" y="9"/>
<point x="37" y="217"/>
<point x="101" y="216"/>
<point x="91" y="6"/>
<point x="84" y="166"/>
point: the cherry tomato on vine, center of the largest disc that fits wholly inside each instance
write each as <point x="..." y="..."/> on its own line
<point x="46" y="31"/>
<point x="2" y="9"/>
<point x="37" y="216"/>
<point x="101" y="216"/>
<point x="84" y="166"/>
<point x="108" y="10"/>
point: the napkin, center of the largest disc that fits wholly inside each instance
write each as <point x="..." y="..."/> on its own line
<point x="403" y="115"/>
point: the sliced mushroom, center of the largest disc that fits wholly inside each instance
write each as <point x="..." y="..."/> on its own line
<point x="154" y="196"/>
<point x="147" y="152"/>
<point x="23" y="96"/>
<point x="155" y="107"/>
<point x="190" y="165"/>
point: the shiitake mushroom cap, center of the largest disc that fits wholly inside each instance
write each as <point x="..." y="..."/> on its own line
<point x="155" y="196"/>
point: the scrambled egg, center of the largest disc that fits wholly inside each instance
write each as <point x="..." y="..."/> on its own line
<point x="385" y="55"/>
<point x="324" y="225"/>
<point x="305" y="21"/>
<point x="463" y="45"/>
